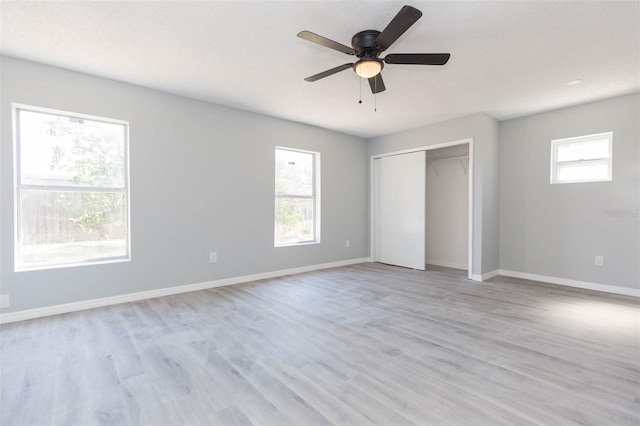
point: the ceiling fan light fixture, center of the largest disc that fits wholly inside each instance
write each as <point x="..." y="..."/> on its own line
<point x="367" y="68"/>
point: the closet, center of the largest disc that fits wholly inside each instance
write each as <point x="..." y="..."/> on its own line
<point x="420" y="208"/>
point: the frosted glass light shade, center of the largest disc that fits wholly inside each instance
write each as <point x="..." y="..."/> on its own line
<point x="368" y="69"/>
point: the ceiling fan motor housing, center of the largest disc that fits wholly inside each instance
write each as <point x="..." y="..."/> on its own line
<point x="364" y="43"/>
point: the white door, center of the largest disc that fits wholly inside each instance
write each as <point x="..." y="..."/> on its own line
<point x="399" y="208"/>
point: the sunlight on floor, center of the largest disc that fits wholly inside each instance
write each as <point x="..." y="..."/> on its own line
<point x="599" y="315"/>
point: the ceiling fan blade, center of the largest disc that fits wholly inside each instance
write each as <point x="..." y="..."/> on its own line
<point x="323" y="41"/>
<point x="327" y="73"/>
<point x="376" y="84"/>
<point x="417" y="58"/>
<point x="399" y="24"/>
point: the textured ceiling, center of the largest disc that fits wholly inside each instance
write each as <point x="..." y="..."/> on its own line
<point x="507" y="58"/>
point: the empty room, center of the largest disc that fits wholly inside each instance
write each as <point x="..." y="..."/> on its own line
<point x="319" y="212"/>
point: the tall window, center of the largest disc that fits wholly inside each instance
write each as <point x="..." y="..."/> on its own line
<point x="71" y="189"/>
<point x="297" y="201"/>
<point x="581" y="159"/>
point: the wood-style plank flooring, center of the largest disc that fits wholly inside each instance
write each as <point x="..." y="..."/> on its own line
<point x="365" y="344"/>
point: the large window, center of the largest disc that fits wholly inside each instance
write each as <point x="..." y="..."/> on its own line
<point x="581" y="159"/>
<point x="297" y="202"/>
<point x="72" y="201"/>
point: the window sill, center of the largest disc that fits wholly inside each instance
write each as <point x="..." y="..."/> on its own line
<point x="71" y="265"/>
<point x="304" y="243"/>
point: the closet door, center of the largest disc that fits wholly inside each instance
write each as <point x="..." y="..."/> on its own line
<point x="399" y="210"/>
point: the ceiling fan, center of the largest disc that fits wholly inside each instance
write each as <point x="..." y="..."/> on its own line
<point x="369" y="44"/>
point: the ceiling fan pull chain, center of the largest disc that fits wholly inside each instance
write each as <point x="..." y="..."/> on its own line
<point x="360" y="101"/>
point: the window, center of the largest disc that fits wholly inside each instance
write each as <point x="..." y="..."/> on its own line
<point x="72" y="198"/>
<point x="581" y="159"/>
<point x="297" y="201"/>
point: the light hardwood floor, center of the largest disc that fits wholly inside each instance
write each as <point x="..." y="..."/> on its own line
<point x="356" y="345"/>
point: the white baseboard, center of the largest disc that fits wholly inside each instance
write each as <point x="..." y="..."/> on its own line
<point x="491" y="274"/>
<point x="485" y="276"/>
<point x="572" y="283"/>
<point x="150" y="294"/>
<point x="446" y="264"/>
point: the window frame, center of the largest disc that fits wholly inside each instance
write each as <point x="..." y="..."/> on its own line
<point x="18" y="187"/>
<point x="315" y="197"/>
<point x="555" y="164"/>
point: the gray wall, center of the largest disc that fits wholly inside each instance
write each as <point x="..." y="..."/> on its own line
<point x="556" y="230"/>
<point x="484" y="131"/>
<point x="201" y="180"/>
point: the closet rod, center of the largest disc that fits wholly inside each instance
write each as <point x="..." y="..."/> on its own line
<point x="442" y="157"/>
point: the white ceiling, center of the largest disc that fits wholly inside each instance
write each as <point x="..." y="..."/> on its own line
<point x="508" y="58"/>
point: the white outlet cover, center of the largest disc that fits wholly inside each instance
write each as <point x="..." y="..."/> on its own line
<point x="599" y="260"/>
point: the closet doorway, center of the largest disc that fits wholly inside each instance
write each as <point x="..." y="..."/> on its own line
<point x="447" y="207"/>
<point x="422" y="206"/>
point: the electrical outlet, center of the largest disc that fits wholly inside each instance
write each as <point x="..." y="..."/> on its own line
<point x="599" y="260"/>
<point x="5" y="301"/>
<point x="347" y="244"/>
<point x="213" y="257"/>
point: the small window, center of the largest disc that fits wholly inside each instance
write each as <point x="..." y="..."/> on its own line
<point x="296" y="197"/>
<point x="72" y="197"/>
<point x="582" y="159"/>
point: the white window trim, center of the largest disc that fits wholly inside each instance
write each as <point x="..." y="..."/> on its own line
<point x="556" y="143"/>
<point x="17" y="186"/>
<point x="315" y="197"/>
